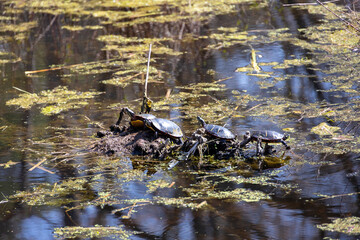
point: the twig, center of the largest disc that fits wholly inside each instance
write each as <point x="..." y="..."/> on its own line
<point x="42" y="168"/>
<point x="181" y="30"/>
<point x="145" y="98"/>
<point x="342" y="19"/>
<point x="37" y="165"/>
<point x="147" y="71"/>
<point x="143" y="203"/>
<point x="223" y="79"/>
<point x="21" y="90"/>
<point x="67" y="66"/>
<point x="43" y="33"/>
<point x="231" y="115"/>
<point x="67" y="214"/>
<point x="340" y="195"/>
<point x="201" y="204"/>
<point x="168" y="93"/>
<point x="254" y="107"/>
<point x="305" y="4"/>
<point x="5" y="200"/>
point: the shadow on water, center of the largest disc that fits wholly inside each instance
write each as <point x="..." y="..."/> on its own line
<point x="138" y="197"/>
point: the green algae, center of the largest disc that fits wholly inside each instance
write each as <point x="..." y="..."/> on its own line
<point x="324" y="129"/>
<point x="240" y="194"/>
<point x="333" y="146"/>
<point x="157" y="184"/>
<point x="293" y="62"/>
<point x="57" y="194"/>
<point x="228" y="37"/>
<point x="202" y="192"/>
<point x="186" y="202"/>
<point x="348" y="225"/>
<point x="132" y="175"/>
<point x="200" y="88"/>
<point x="8" y="57"/>
<point x="96" y="231"/>
<point x="57" y="100"/>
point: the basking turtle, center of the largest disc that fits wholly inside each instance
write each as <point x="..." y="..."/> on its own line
<point x="165" y="127"/>
<point x="216" y="130"/>
<point x="264" y="136"/>
<point x="136" y="120"/>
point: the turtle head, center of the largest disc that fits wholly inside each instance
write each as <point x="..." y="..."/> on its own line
<point x="246" y="135"/>
<point x="201" y="121"/>
<point x="129" y="112"/>
<point x="286" y="136"/>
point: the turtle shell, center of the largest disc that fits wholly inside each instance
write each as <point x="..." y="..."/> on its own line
<point x="138" y="120"/>
<point x="219" y="131"/>
<point x="268" y="136"/>
<point x="166" y="127"/>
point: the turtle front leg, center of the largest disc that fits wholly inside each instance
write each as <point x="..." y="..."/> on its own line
<point x="120" y="116"/>
<point x="286" y="146"/>
<point x="247" y="139"/>
<point x="259" y="148"/>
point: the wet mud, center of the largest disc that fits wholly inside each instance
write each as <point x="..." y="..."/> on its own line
<point x="130" y="140"/>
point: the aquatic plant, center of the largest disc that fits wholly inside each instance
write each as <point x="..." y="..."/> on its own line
<point x="96" y="231"/>
<point x="348" y="225"/>
<point x="57" y="100"/>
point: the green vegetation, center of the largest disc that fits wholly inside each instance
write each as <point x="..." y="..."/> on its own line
<point x="57" y="100"/>
<point x="96" y="231"/>
<point x="349" y="225"/>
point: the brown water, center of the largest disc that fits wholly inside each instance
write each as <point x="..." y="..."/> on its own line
<point x="292" y="214"/>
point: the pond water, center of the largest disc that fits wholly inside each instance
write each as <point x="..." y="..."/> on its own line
<point x="252" y="65"/>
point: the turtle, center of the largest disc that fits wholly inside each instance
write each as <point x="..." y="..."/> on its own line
<point x="216" y="131"/>
<point x="165" y="127"/>
<point x="264" y="136"/>
<point x="136" y="120"/>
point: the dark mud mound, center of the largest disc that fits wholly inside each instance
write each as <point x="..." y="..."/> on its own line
<point x="129" y="140"/>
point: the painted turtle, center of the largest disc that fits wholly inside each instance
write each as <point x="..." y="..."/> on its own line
<point x="136" y="120"/>
<point x="264" y="136"/>
<point x="165" y="127"/>
<point x="216" y="130"/>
